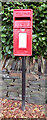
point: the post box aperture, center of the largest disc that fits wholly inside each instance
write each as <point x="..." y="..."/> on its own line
<point x="22" y="32"/>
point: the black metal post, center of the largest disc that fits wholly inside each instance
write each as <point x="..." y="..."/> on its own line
<point x="23" y="83"/>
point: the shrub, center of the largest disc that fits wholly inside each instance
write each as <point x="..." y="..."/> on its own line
<point x="39" y="27"/>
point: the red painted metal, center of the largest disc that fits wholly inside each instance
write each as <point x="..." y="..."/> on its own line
<point x="22" y="23"/>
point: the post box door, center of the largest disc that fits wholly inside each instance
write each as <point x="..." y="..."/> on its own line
<point x="22" y="42"/>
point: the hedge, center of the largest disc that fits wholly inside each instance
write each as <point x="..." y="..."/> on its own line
<point x="39" y="46"/>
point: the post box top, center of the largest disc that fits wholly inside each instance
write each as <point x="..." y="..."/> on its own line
<point x="22" y="12"/>
<point x="22" y="18"/>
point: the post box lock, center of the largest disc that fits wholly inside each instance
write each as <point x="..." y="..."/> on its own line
<point x="22" y="32"/>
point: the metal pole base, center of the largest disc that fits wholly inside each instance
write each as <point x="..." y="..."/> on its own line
<point x="23" y="105"/>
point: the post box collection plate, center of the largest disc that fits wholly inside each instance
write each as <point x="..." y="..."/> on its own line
<point x="22" y="32"/>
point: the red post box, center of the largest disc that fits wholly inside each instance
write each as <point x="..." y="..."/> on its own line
<point x="22" y="32"/>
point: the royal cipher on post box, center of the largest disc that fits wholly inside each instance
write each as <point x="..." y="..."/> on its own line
<point x="22" y="32"/>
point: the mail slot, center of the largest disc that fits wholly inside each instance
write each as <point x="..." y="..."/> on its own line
<point x="22" y="32"/>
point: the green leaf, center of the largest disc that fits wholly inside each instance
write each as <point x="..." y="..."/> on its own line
<point x="3" y="35"/>
<point x="7" y="48"/>
<point x="5" y="18"/>
<point x="43" y="5"/>
<point x="45" y="21"/>
<point x="11" y="10"/>
<point x="43" y="38"/>
<point x="40" y="9"/>
<point x="11" y="47"/>
<point x="2" y="12"/>
<point x="36" y="57"/>
<point x="34" y="36"/>
<point x="34" y="40"/>
<point x="9" y="52"/>
<point x="3" y="40"/>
